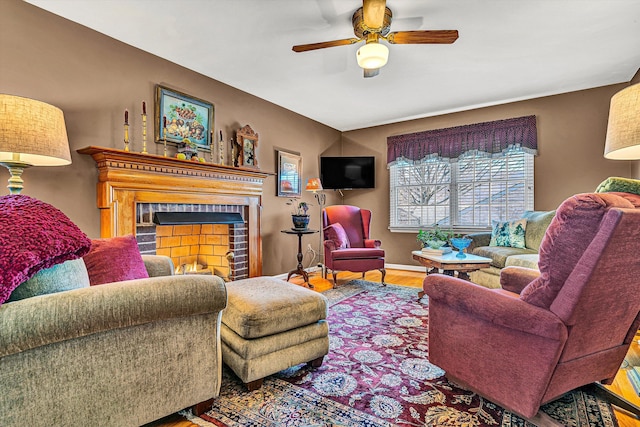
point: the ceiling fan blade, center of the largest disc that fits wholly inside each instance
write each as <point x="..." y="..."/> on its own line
<point x="423" y="37"/>
<point x="373" y="12"/>
<point x="322" y="45"/>
<point x="371" y="72"/>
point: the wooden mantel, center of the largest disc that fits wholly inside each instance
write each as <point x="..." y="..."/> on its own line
<point x="127" y="178"/>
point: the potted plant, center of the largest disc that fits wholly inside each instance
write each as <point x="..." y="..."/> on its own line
<point x="299" y="214"/>
<point x="435" y="239"/>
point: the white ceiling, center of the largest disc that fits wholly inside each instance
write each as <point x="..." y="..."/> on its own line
<point x="507" y="50"/>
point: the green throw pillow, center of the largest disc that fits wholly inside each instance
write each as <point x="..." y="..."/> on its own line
<point x="510" y="233"/>
<point x="61" y="277"/>
<point x="617" y="184"/>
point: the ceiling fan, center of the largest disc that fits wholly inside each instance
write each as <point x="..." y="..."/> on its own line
<point x="371" y="23"/>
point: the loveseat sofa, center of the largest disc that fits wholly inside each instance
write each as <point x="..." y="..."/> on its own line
<point x="118" y="354"/>
<point x="537" y="223"/>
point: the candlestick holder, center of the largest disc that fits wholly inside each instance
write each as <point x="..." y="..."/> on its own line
<point x="221" y="150"/>
<point x="164" y="137"/>
<point x="144" y="134"/>
<point x="126" y="137"/>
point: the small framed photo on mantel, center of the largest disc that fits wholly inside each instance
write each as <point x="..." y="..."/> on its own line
<point x="183" y="119"/>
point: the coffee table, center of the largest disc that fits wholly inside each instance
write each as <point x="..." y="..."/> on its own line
<point x="450" y="264"/>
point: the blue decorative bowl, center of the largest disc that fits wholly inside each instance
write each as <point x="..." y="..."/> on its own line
<point x="461" y="243"/>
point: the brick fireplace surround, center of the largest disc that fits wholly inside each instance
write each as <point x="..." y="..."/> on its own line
<point x="132" y="186"/>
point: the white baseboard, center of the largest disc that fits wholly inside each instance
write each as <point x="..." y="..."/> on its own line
<point x="405" y="267"/>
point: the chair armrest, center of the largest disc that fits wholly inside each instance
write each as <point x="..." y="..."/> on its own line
<point x="493" y="307"/>
<point x="330" y="245"/>
<point x="46" y="319"/>
<point x="372" y="243"/>
<point x="479" y="239"/>
<point x="515" y="279"/>
<point x="158" y="265"/>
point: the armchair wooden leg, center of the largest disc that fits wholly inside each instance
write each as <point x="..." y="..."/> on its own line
<point x="335" y="278"/>
<point x="384" y="272"/>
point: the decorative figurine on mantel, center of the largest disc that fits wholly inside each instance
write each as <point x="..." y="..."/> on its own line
<point x="187" y="150"/>
<point x="236" y="154"/>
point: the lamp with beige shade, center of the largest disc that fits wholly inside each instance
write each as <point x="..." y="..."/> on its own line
<point x="623" y="130"/>
<point x="32" y="133"/>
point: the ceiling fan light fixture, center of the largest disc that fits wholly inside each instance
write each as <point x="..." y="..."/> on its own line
<point x="372" y="55"/>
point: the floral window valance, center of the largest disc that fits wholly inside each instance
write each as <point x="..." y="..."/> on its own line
<point x="489" y="137"/>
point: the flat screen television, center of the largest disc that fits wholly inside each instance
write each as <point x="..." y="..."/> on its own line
<point x="345" y="173"/>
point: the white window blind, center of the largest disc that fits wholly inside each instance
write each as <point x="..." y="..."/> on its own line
<point x="464" y="195"/>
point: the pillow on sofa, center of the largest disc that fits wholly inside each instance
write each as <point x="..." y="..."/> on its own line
<point x="574" y="226"/>
<point x="510" y="233"/>
<point x="617" y="184"/>
<point x="337" y="233"/>
<point x="537" y="224"/>
<point x="114" y="259"/>
<point x="35" y="236"/>
<point x="69" y="275"/>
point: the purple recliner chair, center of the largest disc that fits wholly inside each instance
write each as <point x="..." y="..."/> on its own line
<point x="347" y="246"/>
<point x="548" y="332"/>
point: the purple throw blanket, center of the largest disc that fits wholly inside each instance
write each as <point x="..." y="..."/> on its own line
<point x="33" y="236"/>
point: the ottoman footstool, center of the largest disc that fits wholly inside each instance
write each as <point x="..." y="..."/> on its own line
<point x="270" y="325"/>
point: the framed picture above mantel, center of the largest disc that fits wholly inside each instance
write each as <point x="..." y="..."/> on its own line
<point x="183" y="119"/>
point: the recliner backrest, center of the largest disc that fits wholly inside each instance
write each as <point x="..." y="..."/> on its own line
<point x="601" y="297"/>
<point x="571" y="231"/>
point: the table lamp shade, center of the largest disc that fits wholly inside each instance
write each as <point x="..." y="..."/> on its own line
<point x="314" y="184"/>
<point x="623" y="130"/>
<point x="32" y="132"/>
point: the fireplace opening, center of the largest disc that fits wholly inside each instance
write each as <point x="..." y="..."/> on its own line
<point x="198" y="239"/>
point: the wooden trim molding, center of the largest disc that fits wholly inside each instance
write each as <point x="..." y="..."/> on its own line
<point x="126" y="178"/>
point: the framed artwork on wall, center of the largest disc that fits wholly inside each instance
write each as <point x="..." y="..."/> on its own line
<point x="187" y="119"/>
<point x="289" y="169"/>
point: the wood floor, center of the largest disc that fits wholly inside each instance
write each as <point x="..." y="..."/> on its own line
<point x="621" y="385"/>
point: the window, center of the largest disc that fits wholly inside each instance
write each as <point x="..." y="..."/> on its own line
<point x="466" y="194"/>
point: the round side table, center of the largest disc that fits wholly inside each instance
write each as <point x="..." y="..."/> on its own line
<point x="300" y="268"/>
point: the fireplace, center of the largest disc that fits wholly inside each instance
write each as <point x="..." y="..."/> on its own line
<point x="200" y="239"/>
<point x="133" y="187"/>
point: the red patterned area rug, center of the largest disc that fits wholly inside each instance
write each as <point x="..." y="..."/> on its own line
<point x="377" y="374"/>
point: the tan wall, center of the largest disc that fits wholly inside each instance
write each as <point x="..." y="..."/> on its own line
<point x="93" y="78"/>
<point x="571" y="132"/>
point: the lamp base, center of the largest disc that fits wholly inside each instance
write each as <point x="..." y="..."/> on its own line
<point x="16" y="167"/>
